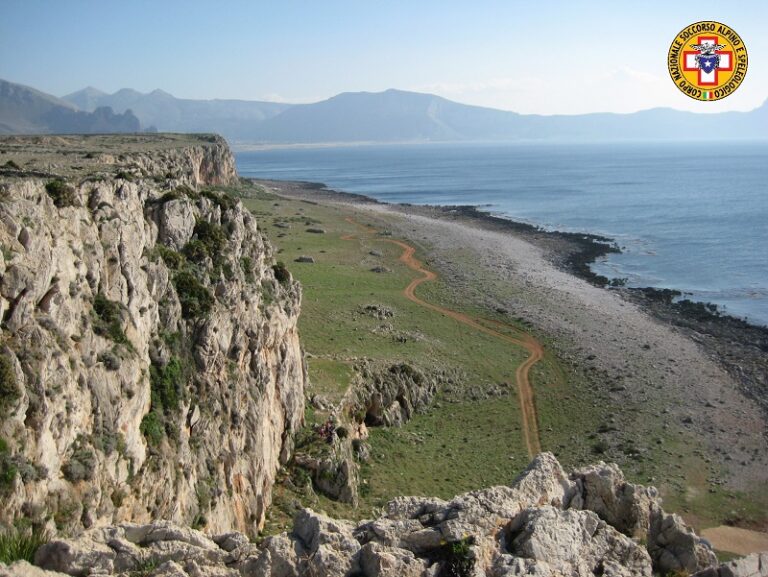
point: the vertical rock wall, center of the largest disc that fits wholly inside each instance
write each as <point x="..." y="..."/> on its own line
<point x="150" y="364"/>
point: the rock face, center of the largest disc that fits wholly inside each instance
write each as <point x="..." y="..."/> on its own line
<point x="390" y="395"/>
<point x="150" y="364"/>
<point x="541" y="525"/>
<point x="755" y="565"/>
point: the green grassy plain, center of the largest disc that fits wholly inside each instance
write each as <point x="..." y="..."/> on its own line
<point x="461" y="443"/>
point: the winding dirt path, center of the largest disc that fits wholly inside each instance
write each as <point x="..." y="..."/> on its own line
<point x="534" y="348"/>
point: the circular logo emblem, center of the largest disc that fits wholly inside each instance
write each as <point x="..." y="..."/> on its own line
<point x="707" y="60"/>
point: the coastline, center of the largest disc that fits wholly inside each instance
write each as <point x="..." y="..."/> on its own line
<point x="647" y="392"/>
<point x="710" y="378"/>
<point x="572" y="251"/>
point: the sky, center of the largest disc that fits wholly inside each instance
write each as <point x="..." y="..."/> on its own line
<point x="543" y="56"/>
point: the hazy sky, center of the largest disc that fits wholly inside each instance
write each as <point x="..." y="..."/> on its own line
<point x="534" y="56"/>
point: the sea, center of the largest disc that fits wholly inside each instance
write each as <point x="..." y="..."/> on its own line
<point x="690" y="216"/>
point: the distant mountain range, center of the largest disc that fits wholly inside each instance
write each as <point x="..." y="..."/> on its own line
<point x="390" y="116"/>
<point x="24" y="110"/>
<point x="235" y="119"/>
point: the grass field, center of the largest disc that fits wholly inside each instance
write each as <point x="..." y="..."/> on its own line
<point x="461" y="443"/>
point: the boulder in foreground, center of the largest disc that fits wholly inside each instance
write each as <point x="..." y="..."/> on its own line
<point x="546" y="523"/>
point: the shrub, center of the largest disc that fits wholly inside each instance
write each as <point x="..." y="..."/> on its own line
<point x="600" y="447"/>
<point x="209" y="242"/>
<point x="152" y="427"/>
<point x="196" y="300"/>
<point x="81" y="464"/>
<point x="281" y="273"/>
<point x="8" y="469"/>
<point x="61" y="193"/>
<point x="20" y="544"/>
<point x="246" y="263"/>
<point x="196" y="251"/>
<point x="175" y="194"/>
<point x="169" y="196"/>
<point x="11" y="164"/>
<point x="9" y="389"/>
<point x="110" y="360"/>
<point x="109" y="441"/>
<point x="223" y="200"/>
<point x="458" y="560"/>
<point x="172" y="259"/>
<point x="184" y="190"/>
<point x="124" y="175"/>
<point x="167" y="384"/>
<point x="212" y="236"/>
<point x="108" y="319"/>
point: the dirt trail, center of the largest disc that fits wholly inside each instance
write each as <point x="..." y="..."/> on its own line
<point x="534" y="348"/>
<point x="736" y="540"/>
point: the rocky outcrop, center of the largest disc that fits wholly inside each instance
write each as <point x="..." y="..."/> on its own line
<point x="390" y="395"/>
<point x="755" y="565"/>
<point x="542" y="525"/>
<point x="150" y="364"/>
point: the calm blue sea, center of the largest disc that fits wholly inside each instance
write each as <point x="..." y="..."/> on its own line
<point x="689" y="217"/>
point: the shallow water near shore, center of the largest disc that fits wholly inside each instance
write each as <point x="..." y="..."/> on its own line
<point x="687" y="216"/>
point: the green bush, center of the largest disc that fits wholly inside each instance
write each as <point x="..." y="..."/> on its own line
<point x="124" y="175"/>
<point x="169" y="196"/>
<point x="187" y="191"/>
<point x="600" y="447"/>
<point x="110" y="360"/>
<point x="61" y="193"/>
<point x="212" y="236"/>
<point x="182" y="191"/>
<point x="80" y="466"/>
<point x="108" y="319"/>
<point x="8" y="469"/>
<point x="21" y="544"/>
<point x="109" y="441"/>
<point x="152" y="427"/>
<point x="246" y="263"/>
<point x="196" y="300"/>
<point x="172" y="259"/>
<point x="167" y="384"/>
<point x="9" y="389"/>
<point x="167" y="390"/>
<point x="209" y="241"/>
<point x="281" y="273"/>
<point x="11" y="164"/>
<point x="196" y="251"/>
<point x="458" y="560"/>
<point x="223" y="200"/>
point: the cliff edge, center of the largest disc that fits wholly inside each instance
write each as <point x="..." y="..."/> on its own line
<point x="150" y="363"/>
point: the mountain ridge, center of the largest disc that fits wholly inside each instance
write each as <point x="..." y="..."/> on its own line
<point x="26" y="110"/>
<point x="159" y="109"/>
<point x="401" y="116"/>
<point x="389" y="116"/>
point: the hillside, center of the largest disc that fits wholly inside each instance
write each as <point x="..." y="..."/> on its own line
<point x="387" y="116"/>
<point x="394" y="115"/>
<point x="235" y="119"/>
<point x="24" y="110"/>
<point x="400" y="116"/>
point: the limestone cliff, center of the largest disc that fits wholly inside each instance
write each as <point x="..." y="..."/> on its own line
<point x="150" y="364"/>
